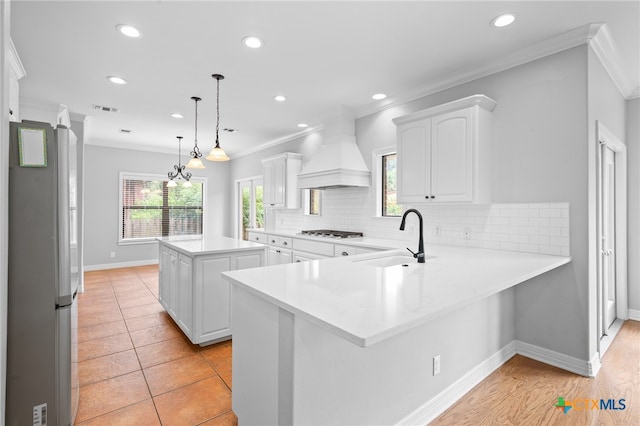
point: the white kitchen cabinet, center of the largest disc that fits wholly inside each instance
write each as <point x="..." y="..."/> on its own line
<point x="167" y="290"/>
<point x="185" y="293"/>
<point x="194" y="293"/>
<point x="444" y="153"/>
<point x="280" y="180"/>
<point x="279" y="256"/>
<point x="347" y="250"/>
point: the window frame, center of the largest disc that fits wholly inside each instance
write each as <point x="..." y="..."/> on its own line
<point x="378" y="174"/>
<point x="307" y="202"/>
<point x="153" y="176"/>
<point x="252" y="182"/>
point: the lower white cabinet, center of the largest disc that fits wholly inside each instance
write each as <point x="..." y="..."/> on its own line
<point x="194" y="293"/>
<point x="278" y="256"/>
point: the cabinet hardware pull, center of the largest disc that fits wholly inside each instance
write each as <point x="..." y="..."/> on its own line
<point x="284" y="243"/>
<point x="344" y="253"/>
<point x="273" y="241"/>
<point x="433" y="196"/>
<point x="278" y="251"/>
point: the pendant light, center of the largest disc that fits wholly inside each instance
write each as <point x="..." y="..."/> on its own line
<point x="196" y="162"/>
<point x="179" y="171"/>
<point x="217" y="153"/>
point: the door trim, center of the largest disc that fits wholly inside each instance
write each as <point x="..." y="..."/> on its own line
<point x="607" y="138"/>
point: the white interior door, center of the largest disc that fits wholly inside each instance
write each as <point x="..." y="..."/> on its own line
<point x="611" y="236"/>
<point x="608" y="251"/>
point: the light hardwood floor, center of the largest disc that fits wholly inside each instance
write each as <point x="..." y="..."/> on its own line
<point x="524" y="391"/>
<point x="137" y="368"/>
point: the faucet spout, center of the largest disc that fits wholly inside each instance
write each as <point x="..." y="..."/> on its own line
<point x="420" y="254"/>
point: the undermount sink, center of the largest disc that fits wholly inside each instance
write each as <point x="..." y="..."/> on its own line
<point x="393" y="260"/>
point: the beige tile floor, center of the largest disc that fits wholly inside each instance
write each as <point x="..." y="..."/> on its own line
<point x="135" y="365"/>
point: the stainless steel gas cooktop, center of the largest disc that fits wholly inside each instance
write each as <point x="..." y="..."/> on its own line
<point x="332" y="233"/>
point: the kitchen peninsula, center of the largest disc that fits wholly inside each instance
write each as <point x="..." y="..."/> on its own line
<point x="354" y="340"/>
<point x="190" y="286"/>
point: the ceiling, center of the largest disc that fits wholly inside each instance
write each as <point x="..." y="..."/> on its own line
<point x="320" y="55"/>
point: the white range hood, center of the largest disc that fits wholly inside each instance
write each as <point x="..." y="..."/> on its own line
<point x="338" y="162"/>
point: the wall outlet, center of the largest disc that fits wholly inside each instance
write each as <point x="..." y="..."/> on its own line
<point x="436" y="365"/>
<point x="467" y="233"/>
<point x="112" y="254"/>
<point x="438" y="230"/>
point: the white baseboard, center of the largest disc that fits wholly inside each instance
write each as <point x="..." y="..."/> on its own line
<point x="89" y="268"/>
<point x="445" y="399"/>
<point x="634" y="314"/>
<point x="566" y="362"/>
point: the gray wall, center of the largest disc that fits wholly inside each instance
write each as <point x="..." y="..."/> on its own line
<point x="539" y="155"/>
<point x="542" y="127"/>
<point x="633" y="180"/>
<point x="102" y="168"/>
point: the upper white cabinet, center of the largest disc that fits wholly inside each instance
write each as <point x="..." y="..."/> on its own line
<point x="444" y="153"/>
<point x="280" y="180"/>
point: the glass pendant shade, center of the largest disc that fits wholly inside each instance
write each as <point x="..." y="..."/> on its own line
<point x="187" y="184"/>
<point x="172" y="184"/>
<point x="195" y="163"/>
<point x="217" y="154"/>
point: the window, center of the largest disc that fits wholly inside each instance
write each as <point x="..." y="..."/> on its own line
<point x="148" y="209"/>
<point x="386" y="176"/>
<point x="312" y="202"/>
<point x="251" y="211"/>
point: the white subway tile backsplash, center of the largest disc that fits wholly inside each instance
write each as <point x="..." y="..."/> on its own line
<point x="528" y="227"/>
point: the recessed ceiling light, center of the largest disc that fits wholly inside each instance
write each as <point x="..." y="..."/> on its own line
<point x="503" y="20"/>
<point x="177" y="115"/>
<point x="116" y="80"/>
<point x="253" y="42"/>
<point x="303" y="125"/>
<point x="379" y="96"/>
<point x="280" y="98"/>
<point x="129" y="31"/>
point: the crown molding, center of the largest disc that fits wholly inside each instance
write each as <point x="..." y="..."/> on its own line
<point x="275" y="142"/>
<point x="613" y="62"/>
<point x="15" y="64"/>
<point x="595" y="34"/>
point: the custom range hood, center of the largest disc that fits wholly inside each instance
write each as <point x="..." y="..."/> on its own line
<point x="338" y="163"/>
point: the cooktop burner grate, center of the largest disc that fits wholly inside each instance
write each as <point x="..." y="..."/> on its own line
<point x="332" y="233"/>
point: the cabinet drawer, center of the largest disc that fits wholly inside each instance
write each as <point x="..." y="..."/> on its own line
<point x="344" y="250"/>
<point x="277" y="241"/>
<point x="258" y="237"/>
<point x="317" y="247"/>
<point x="341" y="250"/>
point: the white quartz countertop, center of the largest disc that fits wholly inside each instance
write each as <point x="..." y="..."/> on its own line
<point x="363" y="302"/>
<point x="209" y="245"/>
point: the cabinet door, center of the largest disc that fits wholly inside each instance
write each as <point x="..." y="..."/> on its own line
<point x="278" y="256"/>
<point x="213" y="311"/>
<point x="167" y="289"/>
<point x="185" y="294"/>
<point x="274" y="180"/>
<point x="414" y="158"/>
<point x="452" y="156"/>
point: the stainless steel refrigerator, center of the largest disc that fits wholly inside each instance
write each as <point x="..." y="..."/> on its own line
<point x="42" y="381"/>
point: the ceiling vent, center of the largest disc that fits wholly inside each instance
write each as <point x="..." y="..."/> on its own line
<point x="104" y="108"/>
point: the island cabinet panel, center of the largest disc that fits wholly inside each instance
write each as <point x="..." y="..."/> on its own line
<point x="185" y="293"/>
<point x="194" y="293"/>
<point x="167" y="292"/>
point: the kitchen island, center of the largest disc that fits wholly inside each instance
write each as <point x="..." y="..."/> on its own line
<point x="356" y="340"/>
<point x="190" y="286"/>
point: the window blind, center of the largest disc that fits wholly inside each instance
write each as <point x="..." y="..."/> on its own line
<point x="150" y="209"/>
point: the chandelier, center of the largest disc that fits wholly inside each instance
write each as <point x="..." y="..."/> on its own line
<point x="179" y="171"/>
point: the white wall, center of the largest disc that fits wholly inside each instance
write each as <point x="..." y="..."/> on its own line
<point x="633" y="179"/>
<point x="102" y="168"/>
